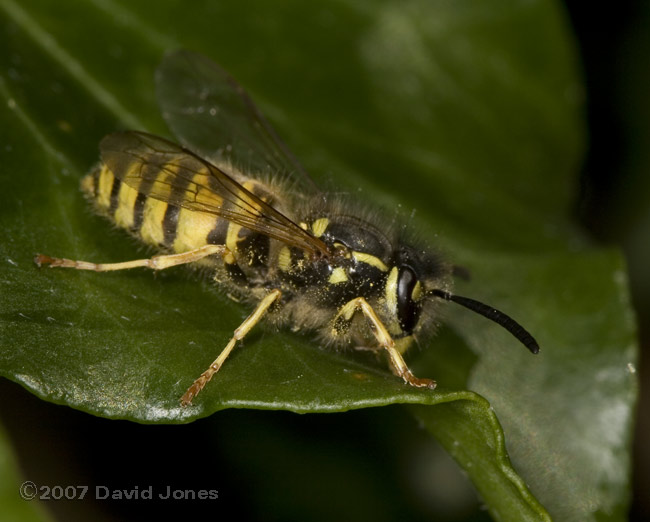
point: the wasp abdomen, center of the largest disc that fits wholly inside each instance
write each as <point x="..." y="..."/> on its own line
<point x="167" y="225"/>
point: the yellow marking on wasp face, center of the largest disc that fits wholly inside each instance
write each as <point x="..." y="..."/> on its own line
<point x="319" y="226"/>
<point x="390" y="294"/>
<point x="338" y="275"/>
<point x="153" y="214"/>
<point x="303" y="225"/>
<point x="390" y="291"/>
<point x="284" y="259"/>
<point x="369" y="259"/>
<point x="192" y="230"/>
<point x="416" y="294"/>
<point x="104" y="186"/>
<point x="125" y="203"/>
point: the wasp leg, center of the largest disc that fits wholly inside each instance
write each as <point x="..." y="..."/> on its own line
<point x="155" y="263"/>
<point x="398" y="365"/>
<point x="238" y="335"/>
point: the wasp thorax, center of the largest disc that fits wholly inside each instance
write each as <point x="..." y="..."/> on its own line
<point x="367" y="264"/>
<point x="359" y="264"/>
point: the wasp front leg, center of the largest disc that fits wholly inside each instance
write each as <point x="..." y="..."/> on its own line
<point x="342" y="322"/>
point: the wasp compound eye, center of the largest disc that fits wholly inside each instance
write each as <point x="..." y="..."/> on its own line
<point x="408" y="308"/>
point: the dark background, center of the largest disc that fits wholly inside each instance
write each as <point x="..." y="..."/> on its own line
<point x="614" y="43"/>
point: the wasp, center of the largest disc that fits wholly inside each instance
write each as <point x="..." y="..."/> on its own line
<point x="231" y="197"/>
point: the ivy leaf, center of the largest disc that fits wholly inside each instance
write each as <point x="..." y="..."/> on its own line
<point x="468" y="113"/>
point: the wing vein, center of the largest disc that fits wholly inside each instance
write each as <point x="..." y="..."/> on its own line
<point x="134" y="157"/>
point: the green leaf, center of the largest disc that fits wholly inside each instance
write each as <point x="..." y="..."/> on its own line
<point x="466" y="112"/>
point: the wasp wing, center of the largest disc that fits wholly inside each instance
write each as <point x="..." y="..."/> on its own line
<point x="165" y="171"/>
<point x="212" y="115"/>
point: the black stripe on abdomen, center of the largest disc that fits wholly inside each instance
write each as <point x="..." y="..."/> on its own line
<point x="138" y="210"/>
<point x="140" y="200"/>
<point x="170" y="221"/>
<point x="217" y="236"/>
<point x="115" y="196"/>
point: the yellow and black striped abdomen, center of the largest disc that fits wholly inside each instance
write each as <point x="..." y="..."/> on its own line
<point x="156" y="222"/>
<point x="162" y="222"/>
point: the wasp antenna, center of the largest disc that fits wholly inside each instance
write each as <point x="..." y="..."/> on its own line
<point x="494" y="315"/>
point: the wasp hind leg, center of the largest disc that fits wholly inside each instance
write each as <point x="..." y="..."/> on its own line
<point x="159" y="262"/>
<point x="238" y="335"/>
<point x="398" y="366"/>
